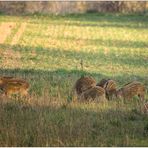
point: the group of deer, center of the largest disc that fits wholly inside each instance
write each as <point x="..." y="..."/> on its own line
<point x="12" y="85"/>
<point x="88" y="90"/>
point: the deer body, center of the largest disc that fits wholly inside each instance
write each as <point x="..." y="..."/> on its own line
<point x="87" y="90"/>
<point x="83" y="84"/>
<point x="95" y="93"/>
<point x="132" y="89"/>
<point x="12" y="85"/>
<point x="109" y="86"/>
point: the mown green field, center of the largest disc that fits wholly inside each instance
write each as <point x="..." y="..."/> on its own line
<point x="47" y="50"/>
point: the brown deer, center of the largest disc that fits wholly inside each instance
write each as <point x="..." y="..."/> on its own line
<point x="132" y="89"/>
<point x="102" y="82"/>
<point x="109" y="86"/>
<point x="11" y="85"/>
<point x="4" y="80"/>
<point x="83" y="84"/>
<point x="95" y="93"/>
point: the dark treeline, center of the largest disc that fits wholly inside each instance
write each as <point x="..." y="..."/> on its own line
<point x="46" y="7"/>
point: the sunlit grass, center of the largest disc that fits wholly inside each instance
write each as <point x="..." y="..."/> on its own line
<point x="48" y="55"/>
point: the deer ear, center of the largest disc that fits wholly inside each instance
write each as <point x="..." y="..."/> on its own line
<point x="105" y="86"/>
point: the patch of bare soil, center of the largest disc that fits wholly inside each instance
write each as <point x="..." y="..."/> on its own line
<point x="5" y="30"/>
<point x="18" y="34"/>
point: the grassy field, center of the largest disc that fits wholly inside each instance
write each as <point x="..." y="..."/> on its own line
<point x="47" y="51"/>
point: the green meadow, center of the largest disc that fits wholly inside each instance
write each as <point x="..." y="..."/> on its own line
<point x="47" y="51"/>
